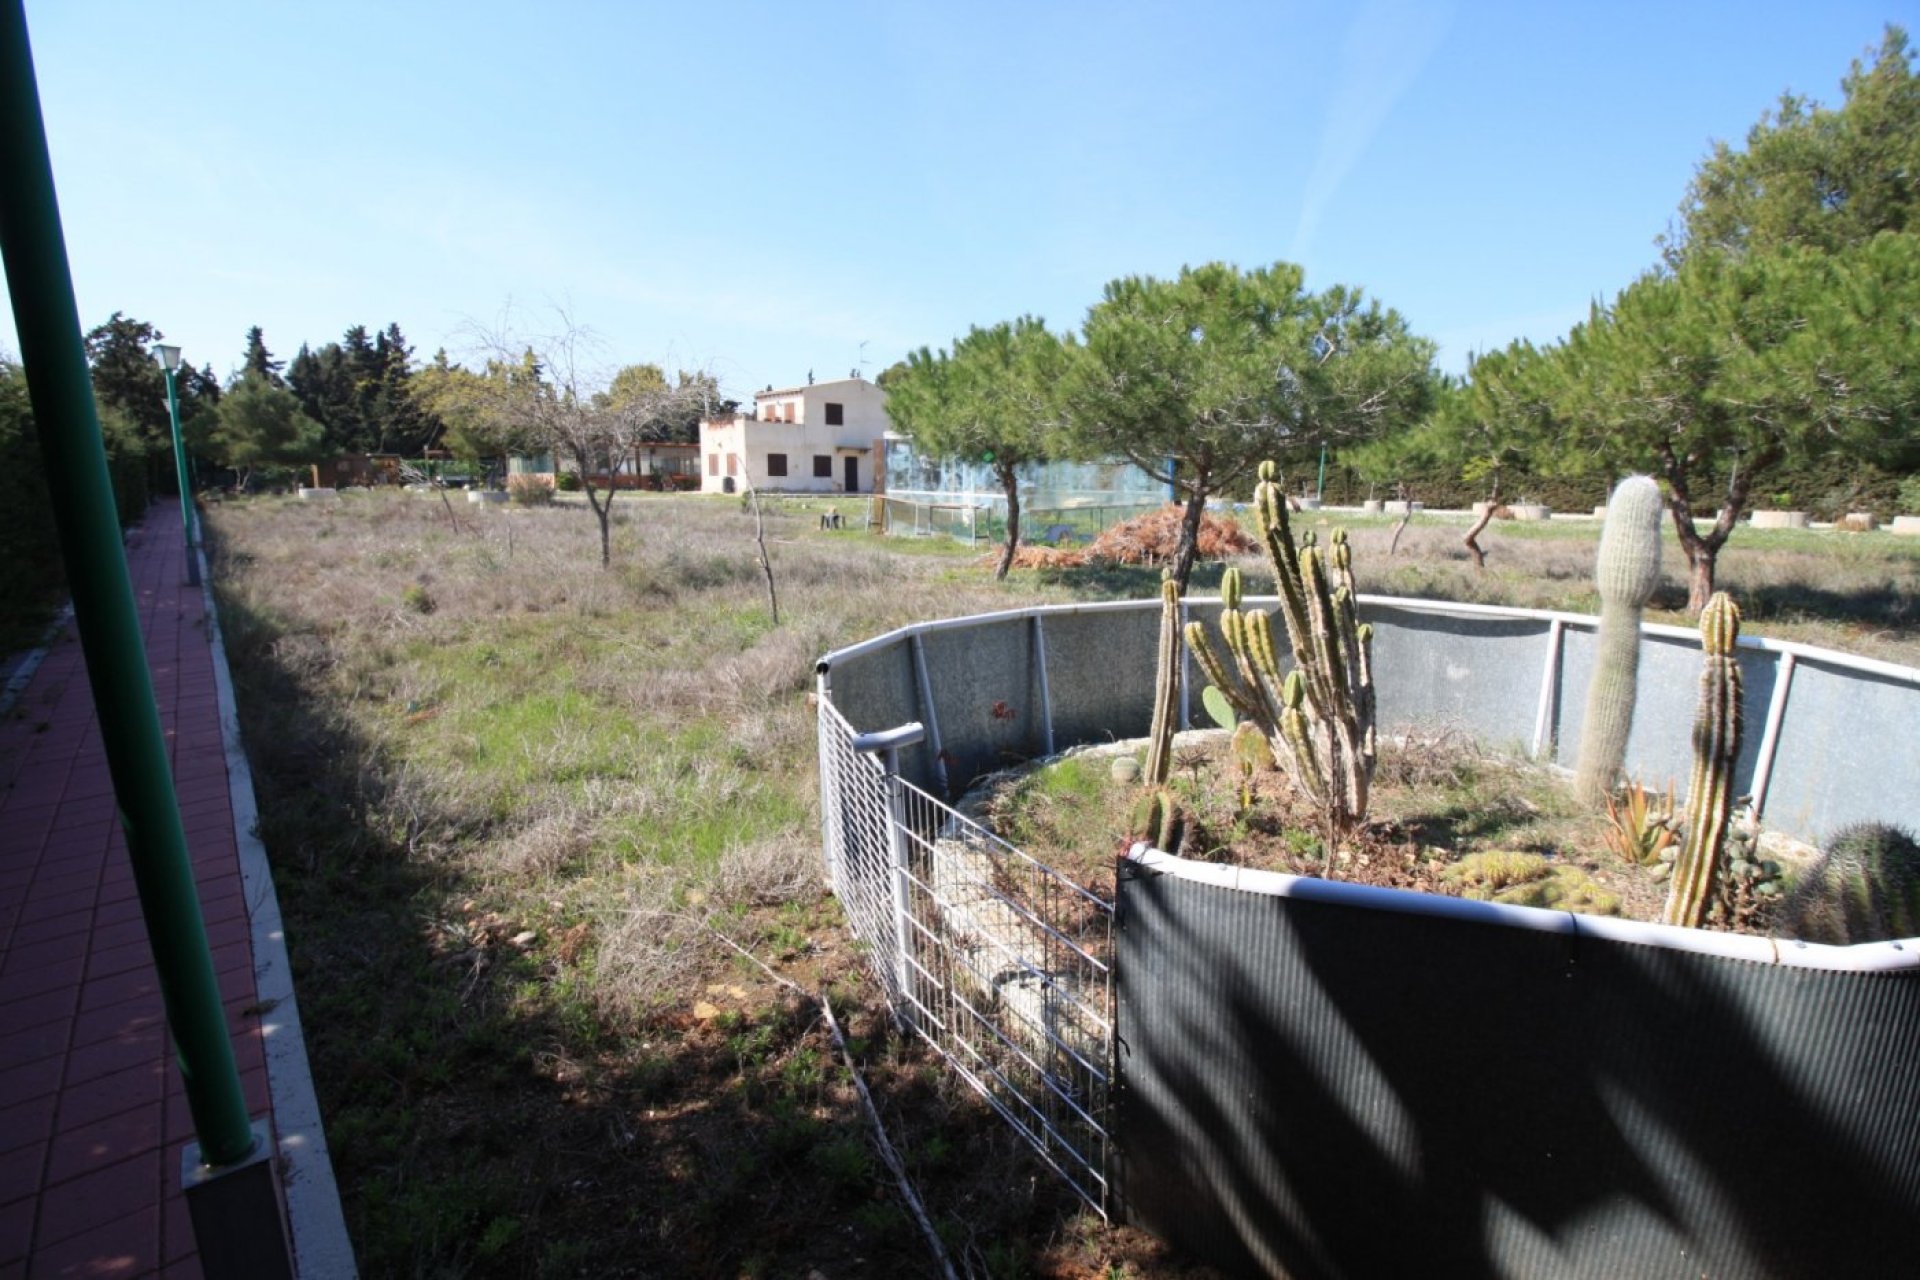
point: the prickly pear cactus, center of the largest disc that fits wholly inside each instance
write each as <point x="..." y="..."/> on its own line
<point x="1716" y="744"/>
<point x="1219" y="710"/>
<point x="1626" y="573"/>
<point x="1865" y="887"/>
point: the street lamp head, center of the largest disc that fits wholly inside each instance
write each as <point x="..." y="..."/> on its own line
<point x="169" y="356"/>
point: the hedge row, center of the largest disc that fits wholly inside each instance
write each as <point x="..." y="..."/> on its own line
<point x="1826" y="489"/>
<point x="31" y="581"/>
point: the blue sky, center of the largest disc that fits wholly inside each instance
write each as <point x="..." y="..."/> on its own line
<point x="768" y="189"/>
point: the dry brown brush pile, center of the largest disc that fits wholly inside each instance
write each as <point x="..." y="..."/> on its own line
<point x="1150" y="539"/>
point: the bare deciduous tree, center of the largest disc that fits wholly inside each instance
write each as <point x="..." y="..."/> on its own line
<point x="558" y="390"/>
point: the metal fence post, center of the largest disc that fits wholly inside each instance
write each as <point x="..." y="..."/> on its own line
<point x="235" y="1209"/>
<point x="889" y="743"/>
<point x="902" y="899"/>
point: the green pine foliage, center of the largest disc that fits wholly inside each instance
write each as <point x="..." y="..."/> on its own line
<point x="995" y="396"/>
<point x="1811" y="176"/>
<point x="260" y="425"/>
<point x="360" y="390"/>
<point x="1214" y="368"/>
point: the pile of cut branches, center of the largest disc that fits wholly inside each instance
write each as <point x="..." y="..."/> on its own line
<point x="1149" y="539"/>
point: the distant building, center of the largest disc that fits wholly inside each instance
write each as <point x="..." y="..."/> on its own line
<point x="668" y="465"/>
<point x="824" y="437"/>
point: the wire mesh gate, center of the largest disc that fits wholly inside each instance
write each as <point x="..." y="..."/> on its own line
<point x="1000" y="964"/>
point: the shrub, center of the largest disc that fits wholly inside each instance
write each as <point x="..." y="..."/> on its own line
<point x="530" y="490"/>
<point x="568" y="482"/>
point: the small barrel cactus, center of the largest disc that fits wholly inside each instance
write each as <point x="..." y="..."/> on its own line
<point x="1716" y="745"/>
<point x="1156" y="818"/>
<point x="1627" y="572"/>
<point x="1864" y="887"/>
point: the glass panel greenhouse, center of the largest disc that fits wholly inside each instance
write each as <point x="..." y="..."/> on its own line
<point x="1058" y="500"/>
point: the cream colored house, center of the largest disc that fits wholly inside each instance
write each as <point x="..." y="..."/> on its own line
<point x="824" y="437"/>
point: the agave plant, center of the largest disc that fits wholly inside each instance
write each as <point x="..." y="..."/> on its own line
<point x="1639" y="830"/>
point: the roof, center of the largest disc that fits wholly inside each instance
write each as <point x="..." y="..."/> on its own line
<point x="818" y="386"/>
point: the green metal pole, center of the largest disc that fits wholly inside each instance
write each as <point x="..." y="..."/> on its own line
<point x="186" y="484"/>
<point x="1320" y="485"/>
<point x="35" y="253"/>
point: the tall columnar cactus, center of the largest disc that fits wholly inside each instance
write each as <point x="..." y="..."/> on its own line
<point x="1627" y="572"/>
<point x="1716" y="744"/>
<point x="1319" y="716"/>
<point x="1166" y="685"/>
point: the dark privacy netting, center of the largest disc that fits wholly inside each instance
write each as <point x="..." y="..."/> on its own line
<point x="1324" y="1090"/>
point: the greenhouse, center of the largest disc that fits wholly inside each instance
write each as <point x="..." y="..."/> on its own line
<point x="1058" y="500"/>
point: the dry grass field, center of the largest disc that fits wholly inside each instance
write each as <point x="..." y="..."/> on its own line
<point x="529" y="818"/>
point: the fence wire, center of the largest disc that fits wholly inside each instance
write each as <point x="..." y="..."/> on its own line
<point x="998" y="962"/>
<point x="971" y="521"/>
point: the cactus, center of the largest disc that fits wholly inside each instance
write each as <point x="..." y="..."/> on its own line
<point x="1166" y="685"/>
<point x="1156" y="818"/>
<point x="1252" y="753"/>
<point x="1716" y="744"/>
<point x="1219" y="710"/>
<point x="1865" y="887"/>
<point x="1529" y="880"/>
<point x="1626" y="573"/>
<point x="1318" y="717"/>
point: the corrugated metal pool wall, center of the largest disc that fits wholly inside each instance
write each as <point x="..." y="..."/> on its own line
<point x="1321" y="1090"/>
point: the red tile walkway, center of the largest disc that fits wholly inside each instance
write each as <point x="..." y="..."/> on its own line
<point x="93" y="1117"/>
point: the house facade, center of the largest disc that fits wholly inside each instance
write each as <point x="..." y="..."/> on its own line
<point x="824" y="437"/>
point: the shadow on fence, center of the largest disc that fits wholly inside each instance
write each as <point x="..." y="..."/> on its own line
<point x="1360" y="1093"/>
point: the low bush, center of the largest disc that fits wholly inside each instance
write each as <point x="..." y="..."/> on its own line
<point x="530" y="490"/>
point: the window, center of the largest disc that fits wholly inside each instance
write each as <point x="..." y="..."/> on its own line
<point x="733" y="464"/>
<point x="713" y="464"/>
<point x="789" y="408"/>
<point x="823" y="466"/>
<point x="776" y="464"/>
<point x="836" y="414"/>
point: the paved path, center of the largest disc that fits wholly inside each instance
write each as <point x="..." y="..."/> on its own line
<point x="93" y="1116"/>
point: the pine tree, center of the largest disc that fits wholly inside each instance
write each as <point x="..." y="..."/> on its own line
<point x="259" y="361"/>
<point x="126" y="377"/>
<point x="1812" y="176"/>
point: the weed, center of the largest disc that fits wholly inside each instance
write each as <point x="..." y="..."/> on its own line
<point x="787" y="941"/>
<point x="843" y="1162"/>
<point x="804" y="1072"/>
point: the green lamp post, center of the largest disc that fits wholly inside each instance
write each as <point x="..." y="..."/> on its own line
<point x="170" y="360"/>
